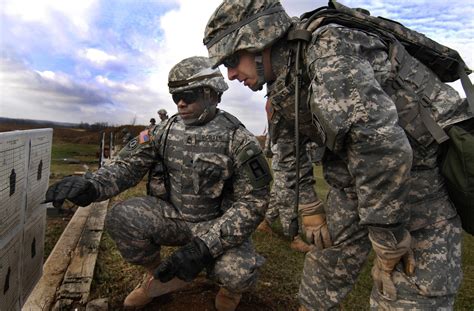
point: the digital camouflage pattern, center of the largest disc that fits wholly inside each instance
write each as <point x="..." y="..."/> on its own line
<point x="315" y="153"/>
<point x="141" y="225"/>
<point x="434" y="276"/>
<point x="378" y="176"/>
<point x="210" y="193"/>
<point x="202" y="165"/>
<point x="254" y="35"/>
<point x="282" y="194"/>
<point x="195" y="72"/>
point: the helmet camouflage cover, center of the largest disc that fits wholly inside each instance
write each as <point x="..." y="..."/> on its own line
<point x="194" y="72"/>
<point x="162" y="111"/>
<point x="244" y="25"/>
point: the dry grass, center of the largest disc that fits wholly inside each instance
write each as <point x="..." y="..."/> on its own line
<point x="277" y="286"/>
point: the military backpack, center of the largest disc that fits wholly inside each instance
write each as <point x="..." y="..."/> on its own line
<point x="456" y="140"/>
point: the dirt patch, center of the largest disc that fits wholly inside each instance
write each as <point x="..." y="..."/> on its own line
<point x="200" y="295"/>
<point x="54" y="228"/>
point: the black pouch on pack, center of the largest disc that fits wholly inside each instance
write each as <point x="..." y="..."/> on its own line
<point x="458" y="168"/>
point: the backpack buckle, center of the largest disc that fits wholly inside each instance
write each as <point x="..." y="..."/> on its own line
<point x="398" y="83"/>
<point x="425" y="101"/>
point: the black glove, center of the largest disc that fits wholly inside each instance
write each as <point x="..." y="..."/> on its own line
<point x="185" y="263"/>
<point x="78" y="190"/>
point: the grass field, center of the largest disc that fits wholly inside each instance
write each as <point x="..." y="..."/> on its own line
<point x="279" y="281"/>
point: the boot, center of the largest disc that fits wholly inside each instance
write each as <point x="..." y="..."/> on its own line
<point x="227" y="300"/>
<point x="299" y="245"/>
<point x="150" y="288"/>
<point x="264" y="226"/>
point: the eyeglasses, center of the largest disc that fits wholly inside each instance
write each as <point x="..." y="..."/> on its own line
<point x="231" y="61"/>
<point x="188" y="96"/>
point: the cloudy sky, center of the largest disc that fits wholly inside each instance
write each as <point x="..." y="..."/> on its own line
<point x="108" y="60"/>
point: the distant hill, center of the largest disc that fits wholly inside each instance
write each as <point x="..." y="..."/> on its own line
<point x="78" y="133"/>
<point x="39" y="123"/>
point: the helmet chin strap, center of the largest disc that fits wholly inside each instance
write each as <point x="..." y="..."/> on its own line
<point x="207" y="114"/>
<point x="260" y="72"/>
<point x="264" y="69"/>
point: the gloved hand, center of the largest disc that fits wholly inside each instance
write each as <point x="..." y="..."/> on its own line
<point x="316" y="230"/>
<point x="185" y="263"/>
<point x="314" y="224"/>
<point x="386" y="258"/>
<point x="76" y="189"/>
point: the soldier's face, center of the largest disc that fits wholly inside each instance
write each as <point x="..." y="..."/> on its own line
<point x="245" y="71"/>
<point x="189" y="111"/>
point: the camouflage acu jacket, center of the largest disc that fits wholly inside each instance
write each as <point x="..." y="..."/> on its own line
<point x="393" y="177"/>
<point x="207" y="174"/>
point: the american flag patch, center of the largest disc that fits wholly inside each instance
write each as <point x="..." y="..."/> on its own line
<point x="144" y="137"/>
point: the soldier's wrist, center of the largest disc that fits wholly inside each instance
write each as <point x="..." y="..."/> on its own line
<point x="390" y="235"/>
<point x="313" y="208"/>
<point x="213" y="243"/>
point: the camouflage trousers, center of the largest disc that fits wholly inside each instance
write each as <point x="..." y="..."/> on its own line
<point x="329" y="274"/>
<point x="281" y="205"/>
<point x="140" y="226"/>
<point x="282" y="194"/>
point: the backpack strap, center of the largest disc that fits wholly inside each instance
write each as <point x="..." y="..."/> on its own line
<point x="401" y="57"/>
<point x="467" y="86"/>
<point x="300" y="36"/>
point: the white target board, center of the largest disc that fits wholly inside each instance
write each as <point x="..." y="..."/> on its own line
<point x="25" y="160"/>
<point x="14" y="150"/>
<point x="38" y="170"/>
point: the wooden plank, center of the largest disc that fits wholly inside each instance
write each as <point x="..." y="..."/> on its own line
<point x="77" y="281"/>
<point x="43" y="295"/>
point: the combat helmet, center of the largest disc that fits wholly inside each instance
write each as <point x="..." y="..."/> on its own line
<point x="162" y="111"/>
<point x="249" y="25"/>
<point x="195" y="72"/>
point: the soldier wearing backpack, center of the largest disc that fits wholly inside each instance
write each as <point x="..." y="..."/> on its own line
<point x="370" y="103"/>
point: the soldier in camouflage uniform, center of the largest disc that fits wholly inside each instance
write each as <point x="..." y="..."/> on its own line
<point x="163" y="114"/>
<point x="215" y="181"/>
<point x="152" y="124"/>
<point x="282" y="194"/>
<point x="126" y="136"/>
<point x="386" y="190"/>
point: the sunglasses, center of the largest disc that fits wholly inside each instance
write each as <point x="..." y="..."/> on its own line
<point x="189" y="96"/>
<point x="231" y="61"/>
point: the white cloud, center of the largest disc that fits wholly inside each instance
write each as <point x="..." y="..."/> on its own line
<point x="78" y="64"/>
<point x="97" y="56"/>
<point x="183" y="30"/>
<point x="181" y="39"/>
<point x="47" y="11"/>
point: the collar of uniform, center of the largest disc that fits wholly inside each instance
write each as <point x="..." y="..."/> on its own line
<point x="279" y="57"/>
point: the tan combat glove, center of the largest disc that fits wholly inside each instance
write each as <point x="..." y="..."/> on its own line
<point x="314" y="224"/>
<point x="386" y="258"/>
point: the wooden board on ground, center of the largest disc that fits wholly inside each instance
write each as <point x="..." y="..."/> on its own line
<point x="79" y="241"/>
<point x="78" y="278"/>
